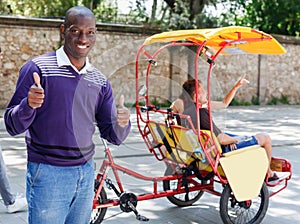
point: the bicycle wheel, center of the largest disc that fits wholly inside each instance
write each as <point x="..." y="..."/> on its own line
<point x="98" y="214"/>
<point x="180" y="199"/>
<point x="252" y="211"/>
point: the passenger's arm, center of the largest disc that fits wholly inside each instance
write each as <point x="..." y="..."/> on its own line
<point x="228" y="98"/>
<point x="177" y="106"/>
<point x="225" y="139"/>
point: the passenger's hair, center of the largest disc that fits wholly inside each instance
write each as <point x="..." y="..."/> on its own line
<point x="188" y="90"/>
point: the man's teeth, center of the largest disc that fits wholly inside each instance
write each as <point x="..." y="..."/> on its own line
<point x="82" y="46"/>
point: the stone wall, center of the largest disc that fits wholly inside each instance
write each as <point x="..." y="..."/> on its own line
<point x="115" y="54"/>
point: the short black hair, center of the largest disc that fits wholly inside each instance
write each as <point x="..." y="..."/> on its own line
<point x="77" y="11"/>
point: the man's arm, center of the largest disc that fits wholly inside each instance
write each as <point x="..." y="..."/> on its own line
<point x="19" y="115"/>
<point x="123" y="114"/>
<point x="107" y="118"/>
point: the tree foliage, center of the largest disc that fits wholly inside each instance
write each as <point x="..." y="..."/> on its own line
<point x="189" y="14"/>
<point x="37" y="8"/>
<point x="43" y="8"/>
<point x="105" y="11"/>
<point x="271" y="16"/>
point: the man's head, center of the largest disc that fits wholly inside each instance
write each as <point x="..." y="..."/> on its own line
<point x="190" y="89"/>
<point x="79" y="34"/>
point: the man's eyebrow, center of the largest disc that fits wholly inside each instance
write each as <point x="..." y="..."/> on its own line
<point x="72" y="26"/>
<point x="75" y="26"/>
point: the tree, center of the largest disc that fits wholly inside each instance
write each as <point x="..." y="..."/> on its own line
<point x="44" y="8"/>
<point x="153" y="12"/>
<point x="189" y="14"/>
<point x="38" y="8"/>
<point x="271" y="16"/>
<point x="105" y="11"/>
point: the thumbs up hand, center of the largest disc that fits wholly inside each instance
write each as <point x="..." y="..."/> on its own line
<point x="35" y="96"/>
<point x="123" y="114"/>
<point x="37" y="80"/>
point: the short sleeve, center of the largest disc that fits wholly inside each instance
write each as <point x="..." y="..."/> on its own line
<point x="177" y="106"/>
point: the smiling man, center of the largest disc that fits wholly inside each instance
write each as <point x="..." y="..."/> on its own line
<point x="79" y="32"/>
<point x="58" y="99"/>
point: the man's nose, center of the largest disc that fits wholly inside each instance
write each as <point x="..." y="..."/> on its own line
<point x="83" y="37"/>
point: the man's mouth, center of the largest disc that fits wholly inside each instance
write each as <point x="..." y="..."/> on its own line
<point x="82" y="46"/>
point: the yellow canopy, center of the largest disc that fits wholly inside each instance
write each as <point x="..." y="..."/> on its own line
<point x="239" y="40"/>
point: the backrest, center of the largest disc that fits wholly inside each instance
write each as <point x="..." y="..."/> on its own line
<point x="182" y="142"/>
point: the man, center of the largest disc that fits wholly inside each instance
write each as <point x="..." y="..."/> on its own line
<point x="58" y="113"/>
<point x="12" y="203"/>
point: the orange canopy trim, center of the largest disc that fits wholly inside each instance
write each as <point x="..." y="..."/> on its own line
<point x="234" y="39"/>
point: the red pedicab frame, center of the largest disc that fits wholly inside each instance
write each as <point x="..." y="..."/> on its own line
<point x="182" y="189"/>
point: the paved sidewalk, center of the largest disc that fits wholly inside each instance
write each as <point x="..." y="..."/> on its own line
<point x="281" y="122"/>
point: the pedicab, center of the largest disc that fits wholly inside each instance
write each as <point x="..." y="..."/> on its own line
<point x="193" y="158"/>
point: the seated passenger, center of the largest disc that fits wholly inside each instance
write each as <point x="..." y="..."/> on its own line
<point x="178" y="107"/>
<point x="227" y="141"/>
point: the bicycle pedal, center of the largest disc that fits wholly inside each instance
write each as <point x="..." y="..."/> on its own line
<point x="142" y="218"/>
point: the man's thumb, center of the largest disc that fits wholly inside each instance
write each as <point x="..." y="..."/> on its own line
<point x="37" y="80"/>
<point x="121" y="101"/>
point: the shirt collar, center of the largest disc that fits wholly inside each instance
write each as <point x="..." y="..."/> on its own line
<point x="63" y="60"/>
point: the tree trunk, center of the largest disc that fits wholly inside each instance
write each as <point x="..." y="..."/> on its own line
<point x="153" y="13"/>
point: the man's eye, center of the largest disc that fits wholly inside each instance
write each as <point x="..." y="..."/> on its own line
<point x="92" y="32"/>
<point x="74" y="31"/>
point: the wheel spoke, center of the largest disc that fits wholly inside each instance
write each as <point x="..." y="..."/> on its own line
<point x="98" y="214"/>
<point x="233" y="212"/>
<point x="180" y="199"/>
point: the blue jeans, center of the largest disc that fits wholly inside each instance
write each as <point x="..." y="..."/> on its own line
<point x="59" y="195"/>
<point x="5" y="191"/>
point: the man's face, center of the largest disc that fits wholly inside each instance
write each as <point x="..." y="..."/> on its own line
<point x="80" y="36"/>
<point x="202" y="97"/>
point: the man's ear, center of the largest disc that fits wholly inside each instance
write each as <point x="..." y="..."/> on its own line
<point x="194" y="97"/>
<point x="62" y="31"/>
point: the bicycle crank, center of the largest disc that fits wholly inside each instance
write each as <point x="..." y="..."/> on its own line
<point x="128" y="203"/>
